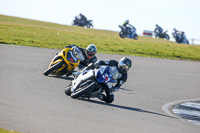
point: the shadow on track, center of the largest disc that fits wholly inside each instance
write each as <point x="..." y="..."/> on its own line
<point x="125" y="89"/>
<point x="125" y="107"/>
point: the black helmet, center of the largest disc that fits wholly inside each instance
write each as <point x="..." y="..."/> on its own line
<point x="124" y="64"/>
<point x="127" y="21"/>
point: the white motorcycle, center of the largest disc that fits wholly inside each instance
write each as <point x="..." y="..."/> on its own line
<point x="92" y="83"/>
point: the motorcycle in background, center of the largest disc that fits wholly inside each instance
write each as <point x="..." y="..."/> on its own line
<point x="91" y="83"/>
<point x="161" y="35"/>
<point x="129" y="33"/>
<point x="79" y="22"/>
<point x="180" y="37"/>
<point x="65" y="62"/>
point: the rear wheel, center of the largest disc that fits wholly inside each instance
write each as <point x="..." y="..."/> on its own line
<point x="90" y="26"/>
<point x="84" y="90"/>
<point x="52" y="68"/>
<point x="135" y="36"/>
<point x="68" y="90"/>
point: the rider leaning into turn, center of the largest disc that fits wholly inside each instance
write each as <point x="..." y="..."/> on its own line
<point x="158" y="30"/>
<point x="89" y="55"/>
<point x="123" y="66"/>
<point x="127" y="28"/>
<point x="83" y="18"/>
<point x="176" y="33"/>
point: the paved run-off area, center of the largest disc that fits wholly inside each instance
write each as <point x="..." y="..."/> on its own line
<point x="31" y="102"/>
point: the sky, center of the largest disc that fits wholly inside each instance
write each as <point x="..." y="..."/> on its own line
<point x="184" y="15"/>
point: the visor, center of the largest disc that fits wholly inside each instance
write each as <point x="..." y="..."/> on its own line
<point x="90" y="54"/>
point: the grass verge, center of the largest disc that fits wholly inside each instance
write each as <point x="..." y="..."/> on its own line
<point x="7" y="131"/>
<point x="19" y="31"/>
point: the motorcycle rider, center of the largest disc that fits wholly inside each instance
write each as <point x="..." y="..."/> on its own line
<point x="179" y="36"/>
<point x="158" y="30"/>
<point x="184" y="40"/>
<point x="176" y="34"/>
<point x="123" y="66"/>
<point x="83" y="19"/>
<point x="183" y="35"/>
<point x="175" y="31"/>
<point x="88" y="53"/>
<point x="128" y="29"/>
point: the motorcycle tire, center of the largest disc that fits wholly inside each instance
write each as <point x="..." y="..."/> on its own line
<point x="90" y="26"/>
<point x="187" y="42"/>
<point x="121" y="34"/>
<point x="167" y="37"/>
<point x="68" y="90"/>
<point x="86" y="89"/>
<point x="136" y="37"/>
<point x="52" y="68"/>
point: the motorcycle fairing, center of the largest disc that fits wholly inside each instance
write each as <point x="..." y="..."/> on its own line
<point x="81" y="78"/>
<point x="70" y="61"/>
<point x="103" y="75"/>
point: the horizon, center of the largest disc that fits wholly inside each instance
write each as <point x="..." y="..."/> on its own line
<point x="107" y="15"/>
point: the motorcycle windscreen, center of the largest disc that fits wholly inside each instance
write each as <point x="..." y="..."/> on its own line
<point x="114" y="73"/>
<point x="74" y="55"/>
<point x="104" y="74"/>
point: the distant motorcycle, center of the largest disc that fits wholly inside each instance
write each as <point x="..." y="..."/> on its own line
<point x="91" y="83"/>
<point x="161" y="35"/>
<point x="64" y="62"/>
<point x="78" y="22"/>
<point x="129" y="33"/>
<point x="180" y="37"/>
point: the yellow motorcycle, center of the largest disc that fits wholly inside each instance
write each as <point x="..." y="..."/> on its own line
<point x="65" y="62"/>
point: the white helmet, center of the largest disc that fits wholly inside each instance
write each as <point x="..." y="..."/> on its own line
<point x="124" y="64"/>
<point x="91" y="50"/>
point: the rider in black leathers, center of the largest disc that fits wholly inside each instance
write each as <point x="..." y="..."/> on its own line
<point x="123" y="66"/>
<point x="179" y="36"/>
<point x="83" y="19"/>
<point x="158" y="30"/>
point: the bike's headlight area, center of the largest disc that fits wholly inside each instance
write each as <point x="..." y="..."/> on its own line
<point x="114" y="72"/>
<point x="115" y="76"/>
<point x="110" y="85"/>
<point x="71" y="58"/>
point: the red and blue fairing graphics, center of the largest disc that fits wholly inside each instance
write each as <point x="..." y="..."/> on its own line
<point x="104" y="75"/>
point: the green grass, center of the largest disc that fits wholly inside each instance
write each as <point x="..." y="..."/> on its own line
<point x="19" y="31"/>
<point x="7" y="131"/>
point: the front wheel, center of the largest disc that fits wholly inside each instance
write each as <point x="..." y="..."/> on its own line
<point x="84" y="90"/>
<point x="187" y="42"/>
<point x="167" y="37"/>
<point x="68" y="90"/>
<point x="52" y="68"/>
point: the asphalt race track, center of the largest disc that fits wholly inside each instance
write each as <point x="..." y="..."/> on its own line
<point x="33" y="103"/>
